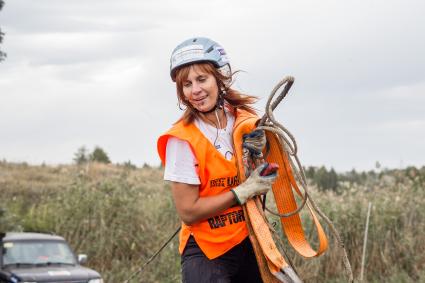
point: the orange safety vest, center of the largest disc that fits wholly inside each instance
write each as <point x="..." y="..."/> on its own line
<point x="218" y="234"/>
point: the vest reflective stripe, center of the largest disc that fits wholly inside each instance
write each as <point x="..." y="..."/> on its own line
<point x="220" y="233"/>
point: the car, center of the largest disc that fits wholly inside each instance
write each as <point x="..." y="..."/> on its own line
<point x="40" y="257"/>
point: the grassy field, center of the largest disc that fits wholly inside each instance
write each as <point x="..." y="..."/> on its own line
<point x="119" y="216"/>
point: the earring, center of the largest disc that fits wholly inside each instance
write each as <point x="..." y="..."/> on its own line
<point x="220" y="100"/>
<point x="183" y="103"/>
<point x="223" y="91"/>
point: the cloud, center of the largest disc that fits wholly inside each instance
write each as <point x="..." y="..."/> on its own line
<point x="96" y="73"/>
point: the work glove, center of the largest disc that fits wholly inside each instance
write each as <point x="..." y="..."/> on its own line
<point x="254" y="185"/>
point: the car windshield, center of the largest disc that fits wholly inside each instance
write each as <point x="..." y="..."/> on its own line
<point x="37" y="252"/>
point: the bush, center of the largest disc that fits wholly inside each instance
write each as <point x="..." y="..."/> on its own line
<point x="99" y="155"/>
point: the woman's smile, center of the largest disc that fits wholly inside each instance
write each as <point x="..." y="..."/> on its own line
<point x="200" y="89"/>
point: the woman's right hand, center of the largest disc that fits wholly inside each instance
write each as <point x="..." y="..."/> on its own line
<point x="254" y="185"/>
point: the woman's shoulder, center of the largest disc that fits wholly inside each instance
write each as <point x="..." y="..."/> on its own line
<point x="239" y="112"/>
<point x="180" y="126"/>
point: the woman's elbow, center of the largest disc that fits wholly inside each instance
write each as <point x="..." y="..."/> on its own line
<point x="188" y="222"/>
<point x="188" y="218"/>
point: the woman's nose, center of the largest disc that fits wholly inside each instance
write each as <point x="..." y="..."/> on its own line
<point x="196" y="88"/>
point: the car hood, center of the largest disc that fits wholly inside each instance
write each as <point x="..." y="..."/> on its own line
<point x="54" y="273"/>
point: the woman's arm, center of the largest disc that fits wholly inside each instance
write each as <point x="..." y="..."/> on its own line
<point x="180" y="170"/>
<point x="192" y="209"/>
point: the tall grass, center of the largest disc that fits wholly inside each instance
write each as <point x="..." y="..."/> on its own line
<point x="120" y="216"/>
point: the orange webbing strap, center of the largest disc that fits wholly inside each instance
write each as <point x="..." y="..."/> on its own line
<point x="275" y="260"/>
<point x="262" y="262"/>
<point x="285" y="202"/>
<point x="272" y="265"/>
<point x="269" y="259"/>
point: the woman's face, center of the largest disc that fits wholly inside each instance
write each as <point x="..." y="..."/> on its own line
<point x="200" y="89"/>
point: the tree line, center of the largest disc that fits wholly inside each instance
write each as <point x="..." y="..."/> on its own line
<point x="330" y="180"/>
<point x="83" y="156"/>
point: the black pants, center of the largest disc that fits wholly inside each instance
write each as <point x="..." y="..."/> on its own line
<point x="236" y="265"/>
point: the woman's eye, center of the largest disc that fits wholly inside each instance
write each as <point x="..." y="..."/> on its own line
<point x="202" y="79"/>
<point x="186" y="85"/>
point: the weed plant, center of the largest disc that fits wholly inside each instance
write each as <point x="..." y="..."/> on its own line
<point x="120" y="215"/>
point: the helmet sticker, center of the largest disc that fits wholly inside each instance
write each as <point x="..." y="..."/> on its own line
<point x="187" y="53"/>
<point x="223" y="54"/>
<point x="221" y="50"/>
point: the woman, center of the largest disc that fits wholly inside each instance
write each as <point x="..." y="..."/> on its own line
<point x="199" y="157"/>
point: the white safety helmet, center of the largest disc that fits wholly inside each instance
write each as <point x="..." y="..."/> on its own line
<point x="198" y="49"/>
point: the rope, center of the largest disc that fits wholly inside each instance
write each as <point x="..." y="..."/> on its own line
<point x="289" y="145"/>
<point x="152" y="257"/>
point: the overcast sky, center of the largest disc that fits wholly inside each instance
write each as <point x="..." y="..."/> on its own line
<point x="97" y="73"/>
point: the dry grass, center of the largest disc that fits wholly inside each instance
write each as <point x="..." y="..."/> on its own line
<point x="119" y="216"/>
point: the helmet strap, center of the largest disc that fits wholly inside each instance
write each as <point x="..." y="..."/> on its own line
<point x="209" y="111"/>
<point x="220" y="101"/>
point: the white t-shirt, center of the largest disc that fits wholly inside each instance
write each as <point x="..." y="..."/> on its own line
<point x="180" y="161"/>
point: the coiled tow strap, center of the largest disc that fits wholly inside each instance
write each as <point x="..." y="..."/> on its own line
<point x="282" y="149"/>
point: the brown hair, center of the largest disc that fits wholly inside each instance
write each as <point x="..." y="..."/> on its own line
<point x="233" y="98"/>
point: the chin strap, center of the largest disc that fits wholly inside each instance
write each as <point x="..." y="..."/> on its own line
<point x="219" y="104"/>
<point x="210" y="111"/>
